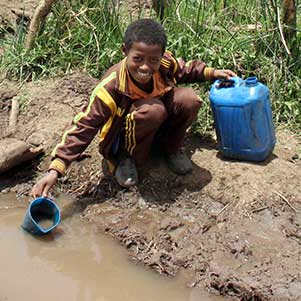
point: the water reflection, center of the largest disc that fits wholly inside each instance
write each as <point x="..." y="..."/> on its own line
<point x="75" y="263"/>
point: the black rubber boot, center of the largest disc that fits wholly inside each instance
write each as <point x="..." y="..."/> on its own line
<point x="179" y="162"/>
<point x="126" y="173"/>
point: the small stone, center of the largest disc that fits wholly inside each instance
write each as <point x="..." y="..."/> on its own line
<point x="295" y="157"/>
<point x="36" y="139"/>
<point x="141" y="203"/>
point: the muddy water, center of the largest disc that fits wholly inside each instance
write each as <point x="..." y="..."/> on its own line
<point x="75" y="263"/>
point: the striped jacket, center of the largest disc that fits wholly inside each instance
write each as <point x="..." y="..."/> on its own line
<point x="109" y="104"/>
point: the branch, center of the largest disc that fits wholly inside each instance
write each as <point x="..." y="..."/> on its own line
<point x="21" y="13"/>
<point x="286" y="201"/>
<point x="281" y="32"/>
<point x="38" y="17"/>
<point x="13" y="116"/>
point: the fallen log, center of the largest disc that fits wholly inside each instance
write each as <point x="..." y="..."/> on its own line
<point x="14" y="151"/>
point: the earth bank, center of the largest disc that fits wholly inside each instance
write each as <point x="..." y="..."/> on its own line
<point x="231" y="227"/>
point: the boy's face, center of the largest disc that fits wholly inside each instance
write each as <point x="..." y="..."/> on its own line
<point x="143" y="61"/>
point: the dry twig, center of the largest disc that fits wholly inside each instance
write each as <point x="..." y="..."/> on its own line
<point x="21" y="13"/>
<point x="281" y="32"/>
<point x="223" y="209"/>
<point x="286" y="201"/>
<point x="260" y="209"/>
<point x="13" y="116"/>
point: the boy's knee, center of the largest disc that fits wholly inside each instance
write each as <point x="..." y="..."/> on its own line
<point x="190" y="102"/>
<point x="153" y="113"/>
<point x="156" y="114"/>
<point x="193" y="101"/>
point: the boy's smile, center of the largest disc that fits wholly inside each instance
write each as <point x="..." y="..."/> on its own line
<point x="143" y="61"/>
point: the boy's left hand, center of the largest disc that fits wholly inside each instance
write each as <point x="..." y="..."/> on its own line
<point x="223" y="74"/>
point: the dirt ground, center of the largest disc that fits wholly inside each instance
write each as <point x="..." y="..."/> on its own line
<point x="231" y="227"/>
<point x="12" y="11"/>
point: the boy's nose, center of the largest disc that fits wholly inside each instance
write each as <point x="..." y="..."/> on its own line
<point x="145" y="67"/>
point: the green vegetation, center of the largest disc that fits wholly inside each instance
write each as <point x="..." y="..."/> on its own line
<point x="242" y="36"/>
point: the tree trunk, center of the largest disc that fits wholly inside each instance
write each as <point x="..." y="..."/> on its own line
<point x="289" y="12"/>
<point x="38" y="17"/>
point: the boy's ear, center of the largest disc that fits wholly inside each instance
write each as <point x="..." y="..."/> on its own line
<point x="124" y="50"/>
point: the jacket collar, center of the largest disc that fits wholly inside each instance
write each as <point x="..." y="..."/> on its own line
<point x="123" y="81"/>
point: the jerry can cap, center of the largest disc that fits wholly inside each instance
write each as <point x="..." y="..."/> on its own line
<point x="251" y="81"/>
<point x="228" y="83"/>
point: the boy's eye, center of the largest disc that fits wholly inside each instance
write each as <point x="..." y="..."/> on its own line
<point x="137" y="59"/>
<point x="155" y="60"/>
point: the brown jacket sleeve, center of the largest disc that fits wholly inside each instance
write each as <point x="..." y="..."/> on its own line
<point x="194" y="71"/>
<point x="75" y="140"/>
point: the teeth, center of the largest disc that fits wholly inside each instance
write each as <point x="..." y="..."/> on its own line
<point x="144" y="74"/>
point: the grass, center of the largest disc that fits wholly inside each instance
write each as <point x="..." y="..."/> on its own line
<point x="246" y="39"/>
<point x="241" y="36"/>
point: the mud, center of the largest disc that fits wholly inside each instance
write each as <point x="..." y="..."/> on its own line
<point x="230" y="227"/>
<point x="13" y="12"/>
<point x="102" y="265"/>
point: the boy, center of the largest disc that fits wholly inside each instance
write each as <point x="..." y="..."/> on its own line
<point x="136" y="101"/>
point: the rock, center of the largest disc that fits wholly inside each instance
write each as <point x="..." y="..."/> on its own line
<point x="14" y="151"/>
<point x="36" y="139"/>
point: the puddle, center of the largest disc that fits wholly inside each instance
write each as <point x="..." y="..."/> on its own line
<point x="76" y="264"/>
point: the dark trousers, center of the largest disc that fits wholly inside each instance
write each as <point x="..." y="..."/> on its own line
<point x="169" y="116"/>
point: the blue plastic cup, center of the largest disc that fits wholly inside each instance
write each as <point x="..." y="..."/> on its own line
<point x="42" y="216"/>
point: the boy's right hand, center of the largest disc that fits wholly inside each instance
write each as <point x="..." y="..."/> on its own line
<point x="42" y="187"/>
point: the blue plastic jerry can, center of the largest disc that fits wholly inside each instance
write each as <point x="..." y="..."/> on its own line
<point x="243" y="118"/>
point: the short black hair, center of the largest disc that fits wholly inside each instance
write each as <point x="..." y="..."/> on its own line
<point x="145" y="30"/>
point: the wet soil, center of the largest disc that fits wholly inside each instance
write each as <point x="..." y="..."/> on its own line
<point x="13" y="12"/>
<point x="230" y="227"/>
<point x="101" y="266"/>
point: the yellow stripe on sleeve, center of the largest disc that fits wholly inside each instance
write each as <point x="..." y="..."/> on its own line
<point x="58" y="165"/>
<point x="63" y="139"/>
<point x="165" y="63"/>
<point x="208" y="73"/>
<point x="133" y="134"/>
<point x="127" y="132"/>
<point x="174" y="61"/>
<point x="122" y="76"/>
<point x="103" y="95"/>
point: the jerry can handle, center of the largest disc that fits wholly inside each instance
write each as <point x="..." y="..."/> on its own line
<point x="227" y="83"/>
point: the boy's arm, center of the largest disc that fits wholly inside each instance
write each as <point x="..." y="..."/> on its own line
<point x="193" y="72"/>
<point x="196" y="71"/>
<point x="85" y="125"/>
<point x="75" y="140"/>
